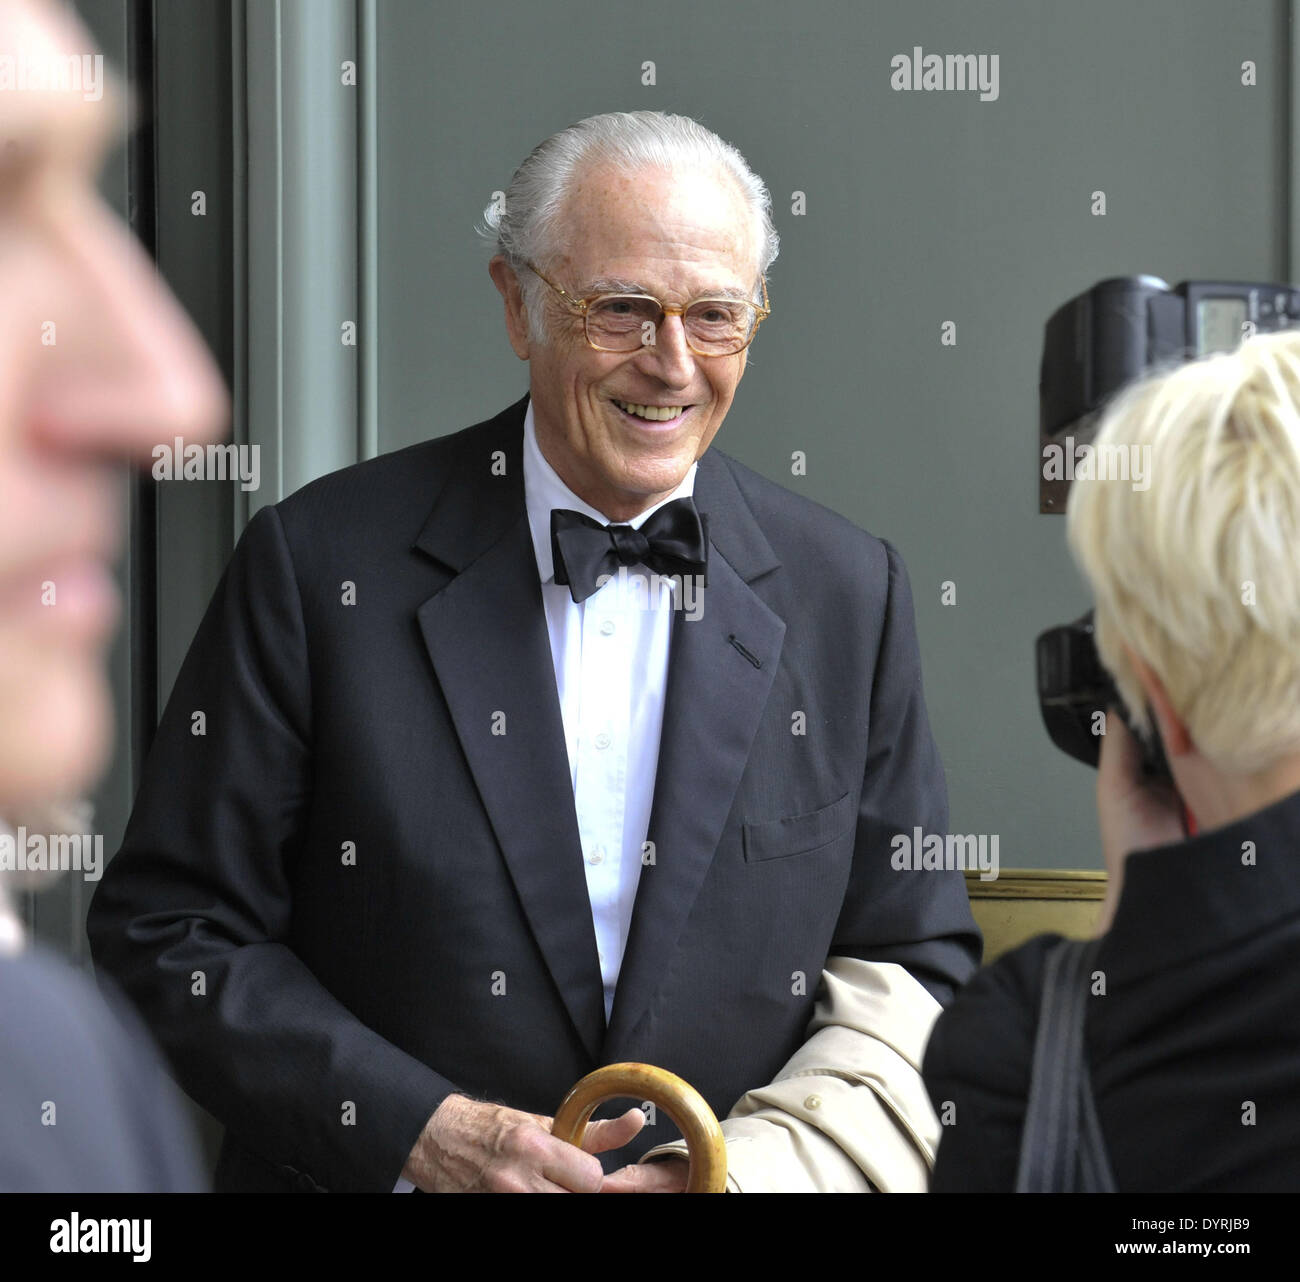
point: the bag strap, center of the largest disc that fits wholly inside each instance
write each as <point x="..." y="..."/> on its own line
<point x="1061" y="1146"/>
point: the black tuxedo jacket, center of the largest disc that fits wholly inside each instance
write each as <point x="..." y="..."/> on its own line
<point x="353" y="884"/>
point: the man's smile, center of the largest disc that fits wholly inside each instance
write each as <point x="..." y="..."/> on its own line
<point x="645" y="415"/>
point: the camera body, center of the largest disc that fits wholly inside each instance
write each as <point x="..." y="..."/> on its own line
<point x="1101" y="340"/>
<point x="1126" y="327"/>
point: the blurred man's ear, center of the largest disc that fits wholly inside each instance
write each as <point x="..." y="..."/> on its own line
<point x="1173" y="731"/>
<point x="507" y="283"/>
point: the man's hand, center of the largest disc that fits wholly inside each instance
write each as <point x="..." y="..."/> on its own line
<point x="663" y="1175"/>
<point x="472" y="1147"/>
<point x="1132" y="812"/>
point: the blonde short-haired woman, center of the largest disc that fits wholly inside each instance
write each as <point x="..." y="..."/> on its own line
<point x="1192" y="1026"/>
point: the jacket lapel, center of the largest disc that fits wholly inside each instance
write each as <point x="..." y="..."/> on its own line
<point x="485" y="631"/>
<point x="714" y="700"/>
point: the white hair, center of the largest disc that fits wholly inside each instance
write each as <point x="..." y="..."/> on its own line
<point x="528" y="225"/>
<point x="1199" y="575"/>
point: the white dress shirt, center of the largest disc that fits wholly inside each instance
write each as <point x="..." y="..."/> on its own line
<point x="610" y="656"/>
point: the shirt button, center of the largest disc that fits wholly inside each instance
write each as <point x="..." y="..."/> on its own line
<point x="607" y="628"/>
<point x="813" y="1101"/>
<point x="597" y="855"/>
<point x="602" y="740"/>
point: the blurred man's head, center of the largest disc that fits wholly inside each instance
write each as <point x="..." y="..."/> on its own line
<point x="631" y="203"/>
<point x="1197" y="579"/>
<point x="97" y="363"/>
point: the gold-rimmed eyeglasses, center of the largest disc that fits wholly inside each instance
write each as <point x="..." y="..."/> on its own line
<point x="626" y="322"/>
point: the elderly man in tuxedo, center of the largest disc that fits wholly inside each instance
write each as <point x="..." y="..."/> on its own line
<point x="558" y="741"/>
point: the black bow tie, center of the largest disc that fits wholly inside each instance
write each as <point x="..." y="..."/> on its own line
<point x="674" y="540"/>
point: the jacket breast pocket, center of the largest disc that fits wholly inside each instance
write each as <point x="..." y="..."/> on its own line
<point x="799" y="834"/>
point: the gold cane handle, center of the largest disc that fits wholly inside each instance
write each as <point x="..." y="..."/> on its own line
<point x="680" y="1100"/>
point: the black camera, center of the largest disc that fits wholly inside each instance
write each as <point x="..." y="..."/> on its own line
<point x="1126" y="327"/>
<point x="1101" y="340"/>
<point x="1075" y="691"/>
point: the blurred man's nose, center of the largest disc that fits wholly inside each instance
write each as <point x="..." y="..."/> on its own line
<point x="134" y="371"/>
